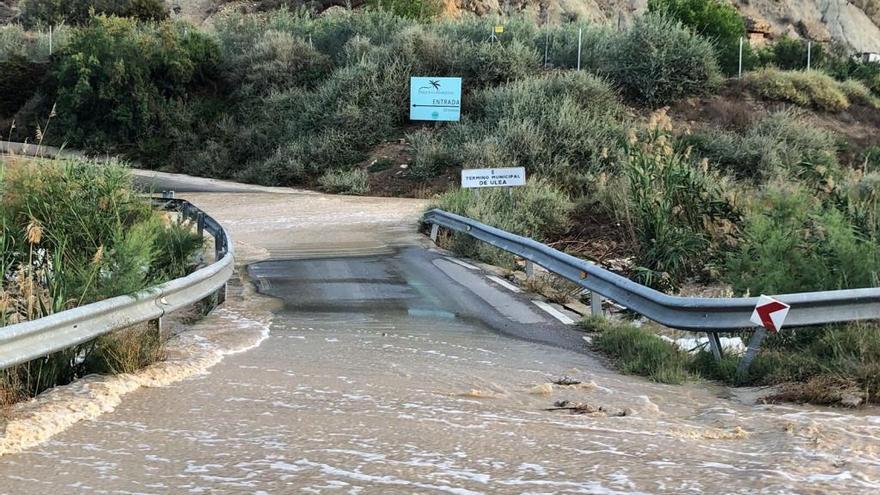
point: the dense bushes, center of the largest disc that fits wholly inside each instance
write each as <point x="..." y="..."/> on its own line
<point x="72" y="233"/>
<point x="54" y="12"/>
<point x="793" y="242"/>
<point x="674" y="213"/>
<point x="781" y="143"/>
<point x="119" y="82"/>
<point x="562" y="126"/>
<point x="658" y="61"/>
<point x="81" y="233"/>
<point x="716" y="20"/>
<point x="807" y="89"/>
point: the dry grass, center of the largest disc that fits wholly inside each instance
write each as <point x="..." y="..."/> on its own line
<point x="556" y="289"/>
<point x="130" y="349"/>
<point x="803" y="88"/>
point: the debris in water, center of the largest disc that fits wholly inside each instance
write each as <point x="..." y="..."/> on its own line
<point x="737" y="433"/>
<point x="567" y="380"/>
<point x="584" y="408"/>
<point x="542" y="389"/>
<point x="480" y="394"/>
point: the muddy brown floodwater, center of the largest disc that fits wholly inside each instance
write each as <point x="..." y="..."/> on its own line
<point x="373" y="379"/>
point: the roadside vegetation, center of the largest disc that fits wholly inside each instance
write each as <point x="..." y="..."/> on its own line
<point x="777" y="193"/>
<point x="834" y="365"/>
<point x="75" y="232"/>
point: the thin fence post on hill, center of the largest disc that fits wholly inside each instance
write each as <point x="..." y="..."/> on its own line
<point x="546" y="47"/>
<point x="580" y="39"/>
<point x="50" y="41"/>
<point x="740" y="70"/>
<point x="809" y="53"/>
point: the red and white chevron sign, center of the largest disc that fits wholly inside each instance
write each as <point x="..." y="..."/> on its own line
<point x="770" y="313"/>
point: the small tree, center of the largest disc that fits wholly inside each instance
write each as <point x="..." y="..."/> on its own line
<point x="54" y="12"/>
<point x="716" y="20"/>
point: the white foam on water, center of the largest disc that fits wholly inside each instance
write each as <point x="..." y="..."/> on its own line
<point x="226" y="331"/>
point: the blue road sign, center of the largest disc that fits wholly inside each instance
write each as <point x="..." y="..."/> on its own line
<point x="435" y="98"/>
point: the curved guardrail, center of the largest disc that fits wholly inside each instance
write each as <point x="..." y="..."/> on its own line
<point x="710" y="315"/>
<point x="23" y="342"/>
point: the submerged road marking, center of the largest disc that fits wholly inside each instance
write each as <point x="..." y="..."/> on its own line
<point x="504" y="283"/>
<point x="559" y="315"/>
<point x="462" y="263"/>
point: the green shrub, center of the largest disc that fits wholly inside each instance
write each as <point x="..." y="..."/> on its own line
<point x="658" y="61"/>
<point x="857" y="92"/>
<point x="783" y="142"/>
<point x="560" y="126"/>
<point x="278" y="61"/>
<point x="117" y="80"/>
<point x="15" y="42"/>
<point x="805" y="88"/>
<point x="716" y="20"/>
<point x="562" y="44"/>
<point x="792" y="242"/>
<point x="100" y="238"/>
<point x="353" y="181"/>
<point x="639" y="352"/>
<point x="787" y="53"/>
<point x="54" y="12"/>
<point x="75" y="232"/>
<point x="673" y="212"/>
<point x="827" y="365"/>
<point x="411" y="9"/>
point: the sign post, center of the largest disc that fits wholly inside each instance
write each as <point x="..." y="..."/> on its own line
<point x="435" y="98"/>
<point x="769" y="315"/>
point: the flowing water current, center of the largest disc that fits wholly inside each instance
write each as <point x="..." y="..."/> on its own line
<point x="372" y="373"/>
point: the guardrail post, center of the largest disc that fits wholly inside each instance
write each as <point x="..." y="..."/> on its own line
<point x="715" y="344"/>
<point x="167" y="194"/>
<point x="596" y="304"/>
<point x="752" y="351"/>
<point x="435" y="229"/>
<point x="200" y="223"/>
<point x="530" y="269"/>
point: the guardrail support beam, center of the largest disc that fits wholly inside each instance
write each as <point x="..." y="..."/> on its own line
<point x="752" y="351"/>
<point x="530" y="269"/>
<point x="715" y="344"/>
<point x="596" y="304"/>
<point x="435" y="229"/>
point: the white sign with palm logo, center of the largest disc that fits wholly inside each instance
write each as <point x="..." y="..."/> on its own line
<point x="435" y="98"/>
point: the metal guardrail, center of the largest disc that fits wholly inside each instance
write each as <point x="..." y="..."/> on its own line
<point x="703" y="314"/>
<point x="29" y="340"/>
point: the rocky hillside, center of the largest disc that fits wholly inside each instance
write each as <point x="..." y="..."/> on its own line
<point x="855" y="24"/>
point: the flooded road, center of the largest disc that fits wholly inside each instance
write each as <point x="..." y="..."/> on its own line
<point x="390" y="368"/>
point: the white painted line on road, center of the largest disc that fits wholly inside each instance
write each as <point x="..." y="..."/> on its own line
<point x="462" y="263"/>
<point x="559" y="315"/>
<point x="504" y="283"/>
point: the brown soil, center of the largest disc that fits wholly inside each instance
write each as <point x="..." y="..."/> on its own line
<point x="388" y="168"/>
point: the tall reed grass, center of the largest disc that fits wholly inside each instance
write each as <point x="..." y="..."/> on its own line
<point x="74" y="232"/>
